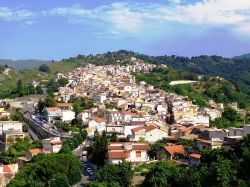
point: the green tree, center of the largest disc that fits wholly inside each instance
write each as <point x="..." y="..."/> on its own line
<point x="230" y="114"/>
<point x="50" y="102"/>
<point x="226" y="174"/>
<point x="20" y="88"/>
<point x="162" y="174"/>
<point x="40" y="106"/>
<point x="98" y="148"/>
<point x="103" y="184"/>
<point x="63" y="81"/>
<point x="31" y="89"/>
<point x="44" y="68"/>
<point x="25" y="128"/>
<point x="47" y="169"/>
<point x="154" y="148"/>
<point x="77" y="108"/>
<point x="121" y="173"/>
<point x="59" y="180"/>
<point x="16" y="117"/>
<point x="39" y="90"/>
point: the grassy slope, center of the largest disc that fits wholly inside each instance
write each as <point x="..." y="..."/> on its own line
<point x="8" y="82"/>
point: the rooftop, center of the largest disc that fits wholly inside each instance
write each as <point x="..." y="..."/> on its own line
<point x="175" y="149"/>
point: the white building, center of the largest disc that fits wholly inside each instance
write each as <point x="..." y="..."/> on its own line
<point x="99" y="98"/>
<point x="52" y="145"/>
<point x="84" y="116"/>
<point x="53" y="114"/>
<point x="128" y="151"/>
<point x="128" y="126"/>
<point x="114" y="116"/>
<point x="68" y="115"/>
<point x="150" y="133"/>
<point x="98" y="123"/>
<point x="10" y="125"/>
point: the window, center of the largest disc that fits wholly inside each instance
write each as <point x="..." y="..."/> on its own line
<point x="234" y="133"/>
<point x="138" y="154"/>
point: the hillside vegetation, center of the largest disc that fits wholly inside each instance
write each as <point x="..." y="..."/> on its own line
<point x="236" y="70"/>
<point x="206" y="88"/>
<point x="23" y="64"/>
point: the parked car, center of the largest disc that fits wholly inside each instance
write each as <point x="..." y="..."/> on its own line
<point x="85" y="153"/>
<point x="85" y="159"/>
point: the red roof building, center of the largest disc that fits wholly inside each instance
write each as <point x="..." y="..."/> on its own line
<point x="129" y="151"/>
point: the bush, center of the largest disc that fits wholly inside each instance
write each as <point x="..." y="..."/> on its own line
<point x="44" y="68"/>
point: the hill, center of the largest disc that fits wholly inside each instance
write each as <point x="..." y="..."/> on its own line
<point x="242" y="56"/>
<point x="8" y="82"/>
<point x="237" y="71"/>
<point x="200" y="92"/>
<point x="23" y="64"/>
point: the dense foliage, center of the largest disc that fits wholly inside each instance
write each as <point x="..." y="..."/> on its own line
<point x="220" y="91"/>
<point x="235" y="70"/>
<point x="119" y="175"/>
<point x="70" y="144"/>
<point x="229" y="118"/>
<point x="63" y="81"/>
<point x="98" y="148"/>
<point x="49" y="101"/>
<point x="81" y="104"/>
<point x="219" y="168"/>
<point x="17" y="150"/>
<point x="44" y="68"/>
<point x="49" y="170"/>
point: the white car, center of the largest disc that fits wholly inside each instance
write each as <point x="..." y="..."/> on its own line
<point x="89" y="170"/>
<point x="85" y="159"/>
<point x="85" y="153"/>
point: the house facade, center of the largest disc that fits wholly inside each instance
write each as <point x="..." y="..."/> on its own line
<point x="128" y="151"/>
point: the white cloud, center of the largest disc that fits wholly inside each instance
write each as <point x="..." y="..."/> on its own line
<point x="175" y="1"/>
<point x="123" y="18"/>
<point x="9" y="15"/>
<point x="133" y="18"/>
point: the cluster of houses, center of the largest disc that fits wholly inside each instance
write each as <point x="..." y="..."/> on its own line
<point x="8" y="171"/>
<point x="136" y="112"/>
<point x="140" y="114"/>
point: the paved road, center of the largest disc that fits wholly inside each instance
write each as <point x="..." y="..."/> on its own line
<point x="86" y="176"/>
<point x="33" y="135"/>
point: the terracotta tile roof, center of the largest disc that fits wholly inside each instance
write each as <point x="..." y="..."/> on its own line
<point x="141" y="147"/>
<point x="129" y="113"/>
<point x="195" y="155"/>
<point x="188" y="129"/>
<point x="6" y="169"/>
<point x="150" y="128"/>
<point x="35" y="151"/>
<point x="135" y="146"/>
<point x="175" y="149"/>
<point x="118" y="155"/>
<point x="56" y="142"/>
<point x="189" y="137"/>
<point x="138" y="129"/>
<point x="64" y="104"/>
<point x="203" y="141"/>
<point x="52" y="109"/>
<point x="98" y="119"/>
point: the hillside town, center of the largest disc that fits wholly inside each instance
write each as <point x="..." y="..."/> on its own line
<point x="138" y="115"/>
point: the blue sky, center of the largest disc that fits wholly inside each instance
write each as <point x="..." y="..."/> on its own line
<point x="56" y="29"/>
